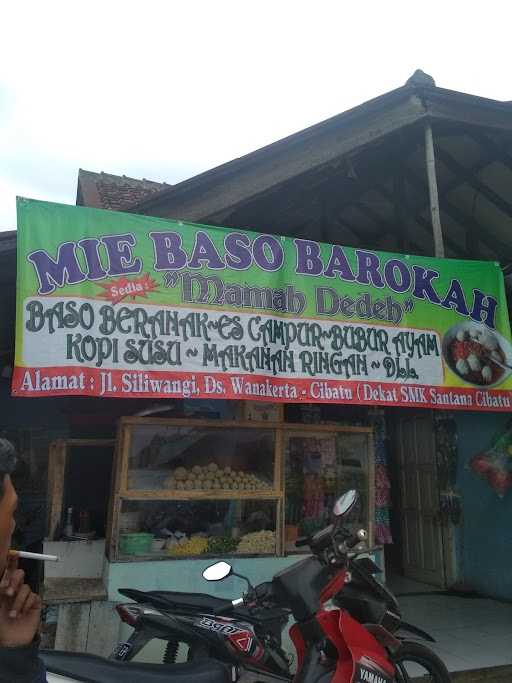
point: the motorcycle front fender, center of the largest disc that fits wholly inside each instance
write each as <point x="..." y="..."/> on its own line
<point x="359" y="653"/>
<point x="404" y="626"/>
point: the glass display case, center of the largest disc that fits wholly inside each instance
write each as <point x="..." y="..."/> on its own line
<point x="201" y="459"/>
<point x="189" y="487"/>
<point x="320" y="465"/>
<point x="185" y="488"/>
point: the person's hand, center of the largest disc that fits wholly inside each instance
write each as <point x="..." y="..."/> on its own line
<point x="20" y="609"/>
<point x="12" y="579"/>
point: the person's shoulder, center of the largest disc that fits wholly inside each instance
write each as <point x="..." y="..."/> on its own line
<point x="21" y="664"/>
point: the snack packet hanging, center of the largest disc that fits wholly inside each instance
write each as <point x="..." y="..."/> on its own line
<point x="495" y="464"/>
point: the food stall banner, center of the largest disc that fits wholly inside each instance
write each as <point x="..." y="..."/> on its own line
<point x="122" y="305"/>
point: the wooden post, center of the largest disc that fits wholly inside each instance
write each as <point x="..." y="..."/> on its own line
<point x="56" y="475"/>
<point x="400" y="200"/>
<point x="371" y="488"/>
<point x="432" y="190"/>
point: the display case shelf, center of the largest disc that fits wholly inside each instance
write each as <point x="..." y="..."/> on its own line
<point x="202" y="495"/>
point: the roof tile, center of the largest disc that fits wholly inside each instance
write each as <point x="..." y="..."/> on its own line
<point x="113" y="192"/>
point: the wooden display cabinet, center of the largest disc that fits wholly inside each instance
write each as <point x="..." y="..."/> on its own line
<point x="200" y="468"/>
<point x="151" y="452"/>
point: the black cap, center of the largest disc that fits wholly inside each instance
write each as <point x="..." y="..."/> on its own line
<point x="7" y="457"/>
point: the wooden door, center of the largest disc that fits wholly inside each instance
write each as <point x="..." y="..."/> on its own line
<point x="422" y="541"/>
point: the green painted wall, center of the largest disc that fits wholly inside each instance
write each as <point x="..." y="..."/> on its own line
<point x="186" y="575"/>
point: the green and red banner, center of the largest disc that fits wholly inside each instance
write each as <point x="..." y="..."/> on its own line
<point x="121" y="305"/>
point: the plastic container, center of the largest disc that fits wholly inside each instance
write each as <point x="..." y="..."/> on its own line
<point x="135" y="544"/>
<point x="157" y="544"/>
<point x="129" y="522"/>
<point x="291" y="533"/>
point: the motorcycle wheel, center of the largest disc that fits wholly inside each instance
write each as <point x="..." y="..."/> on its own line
<point x="415" y="661"/>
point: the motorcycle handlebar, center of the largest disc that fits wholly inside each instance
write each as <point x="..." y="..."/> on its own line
<point x="260" y="594"/>
<point x="264" y="591"/>
<point x="226" y="609"/>
<point x="321" y="540"/>
<point x="355" y="539"/>
<point x="318" y="541"/>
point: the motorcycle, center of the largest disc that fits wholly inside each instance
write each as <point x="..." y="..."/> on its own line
<point x="332" y="645"/>
<point x="253" y="633"/>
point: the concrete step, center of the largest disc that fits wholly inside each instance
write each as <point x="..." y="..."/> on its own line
<point x="494" y="674"/>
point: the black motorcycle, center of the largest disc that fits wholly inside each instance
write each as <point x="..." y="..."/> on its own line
<point x="186" y="618"/>
<point x="251" y="634"/>
<point x="353" y="642"/>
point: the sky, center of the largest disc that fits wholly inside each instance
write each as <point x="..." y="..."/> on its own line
<point x="165" y="90"/>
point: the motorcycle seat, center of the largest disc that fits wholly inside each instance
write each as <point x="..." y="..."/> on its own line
<point x="196" y="602"/>
<point x="92" y="669"/>
<point x="201" y="603"/>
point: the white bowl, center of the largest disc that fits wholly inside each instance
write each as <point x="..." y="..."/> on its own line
<point x="470" y="326"/>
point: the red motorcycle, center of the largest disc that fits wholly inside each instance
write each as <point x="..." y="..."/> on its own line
<point x="352" y="640"/>
<point x="356" y="643"/>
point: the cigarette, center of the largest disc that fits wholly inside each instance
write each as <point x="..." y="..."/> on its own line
<point x="33" y="556"/>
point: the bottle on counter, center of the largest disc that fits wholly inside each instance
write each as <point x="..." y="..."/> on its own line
<point x="84" y="526"/>
<point x="68" y="527"/>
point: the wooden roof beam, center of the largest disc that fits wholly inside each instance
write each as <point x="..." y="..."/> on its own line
<point x="375" y="180"/>
<point x="285" y="197"/>
<point x="358" y="189"/>
<point x="386" y="227"/>
<point x="499" y="153"/>
<point x="476" y="183"/>
<point x="466" y="222"/>
<point x="423" y="223"/>
<point x="341" y="222"/>
<point x="237" y="182"/>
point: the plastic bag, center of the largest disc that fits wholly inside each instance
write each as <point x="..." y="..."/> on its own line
<point x="495" y="464"/>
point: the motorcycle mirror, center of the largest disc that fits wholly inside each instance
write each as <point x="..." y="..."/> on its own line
<point x="217" y="571"/>
<point x="345" y="503"/>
